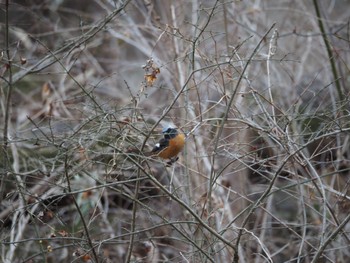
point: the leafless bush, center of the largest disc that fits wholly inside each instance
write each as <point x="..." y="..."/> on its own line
<point x="259" y="87"/>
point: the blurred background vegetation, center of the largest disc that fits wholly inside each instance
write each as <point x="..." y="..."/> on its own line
<point x="260" y="88"/>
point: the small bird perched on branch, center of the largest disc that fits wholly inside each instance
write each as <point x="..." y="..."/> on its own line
<point x="169" y="146"/>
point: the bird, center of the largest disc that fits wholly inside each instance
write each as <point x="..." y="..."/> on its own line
<point x="170" y="145"/>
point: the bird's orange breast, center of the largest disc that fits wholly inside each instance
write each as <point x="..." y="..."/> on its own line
<point x="175" y="146"/>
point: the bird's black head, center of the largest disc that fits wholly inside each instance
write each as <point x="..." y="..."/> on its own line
<point x="169" y="133"/>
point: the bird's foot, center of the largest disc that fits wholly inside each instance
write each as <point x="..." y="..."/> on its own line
<point x="172" y="161"/>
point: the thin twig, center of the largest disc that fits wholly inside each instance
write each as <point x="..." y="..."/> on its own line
<point x="86" y="230"/>
<point x="5" y="157"/>
<point x="330" y="239"/>
<point x="51" y="58"/>
<point x="331" y="56"/>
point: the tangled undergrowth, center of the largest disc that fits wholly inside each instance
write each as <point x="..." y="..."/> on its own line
<point x="260" y="88"/>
